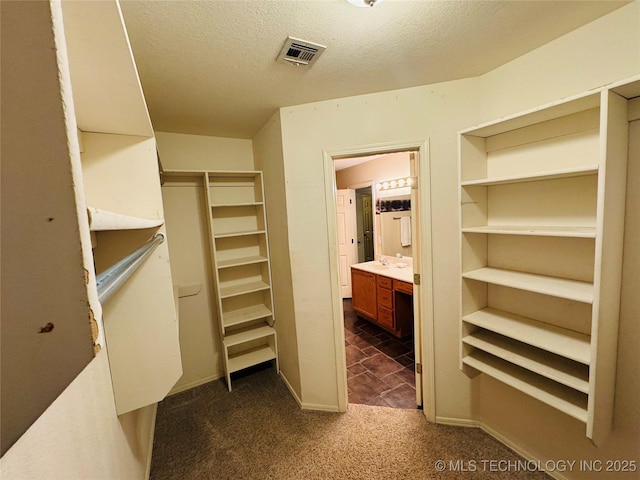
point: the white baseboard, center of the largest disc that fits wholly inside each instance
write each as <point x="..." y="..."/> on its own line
<point x="291" y="390"/>
<point x="320" y="408"/>
<point x="307" y="406"/>
<point x="457" y="422"/>
<point x="519" y="450"/>
<point x="152" y="432"/>
<point x="195" y="383"/>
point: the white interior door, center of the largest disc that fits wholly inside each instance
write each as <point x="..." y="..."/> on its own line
<point x="347" y="248"/>
<point x="415" y="240"/>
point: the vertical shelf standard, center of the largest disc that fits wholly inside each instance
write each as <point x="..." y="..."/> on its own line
<point x="240" y="252"/>
<point x="541" y="213"/>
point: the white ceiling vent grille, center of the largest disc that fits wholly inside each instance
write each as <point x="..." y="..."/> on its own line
<point x="299" y="53"/>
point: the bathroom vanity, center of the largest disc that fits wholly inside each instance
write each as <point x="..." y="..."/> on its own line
<point x="383" y="294"/>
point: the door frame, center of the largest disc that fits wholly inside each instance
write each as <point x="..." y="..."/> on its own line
<point x="423" y="314"/>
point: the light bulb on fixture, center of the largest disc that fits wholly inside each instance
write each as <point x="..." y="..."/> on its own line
<point x="364" y="3"/>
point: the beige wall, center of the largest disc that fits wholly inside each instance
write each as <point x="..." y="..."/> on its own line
<point x="386" y="167"/>
<point x="267" y="148"/>
<point x="432" y="112"/>
<point x="198" y="152"/>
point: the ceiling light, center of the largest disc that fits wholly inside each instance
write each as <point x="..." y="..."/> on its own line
<point x="364" y="3"/>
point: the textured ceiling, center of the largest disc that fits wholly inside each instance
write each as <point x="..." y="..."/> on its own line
<point x="208" y="67"/>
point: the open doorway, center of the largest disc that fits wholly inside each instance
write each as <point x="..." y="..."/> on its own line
<point x="364" y="224"/>
<point x="382" y="333"/>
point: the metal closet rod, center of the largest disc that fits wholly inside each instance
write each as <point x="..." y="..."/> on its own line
<point x="109" y="281"/>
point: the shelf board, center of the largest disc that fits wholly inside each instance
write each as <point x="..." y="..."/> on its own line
<point x="566" y="343"/>
<point x="232" y="173"/>
<point x="534" y="230"/>
<point x="236" y="262"/>
<point x="248" y="334"/>
<point x="239" y="234"/>
<point x="540" y="114"/>
<point x="100" y="220"/>
<point x="237" y="204"/>
<point x="565" y="399"/>
<point x="251" y="357"/>
<point x="553" y="367"/>
<point x="246" y="314"/>
<point x="239" y="289"/>
<point x="552" y="286"/>
<point x="535" y="177"/>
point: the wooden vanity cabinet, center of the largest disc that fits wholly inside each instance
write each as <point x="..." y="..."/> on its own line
<point x="363" y="286"/>
<point x="384" y="301"/>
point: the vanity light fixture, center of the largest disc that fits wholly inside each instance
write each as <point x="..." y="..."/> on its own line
<point x="364" y="3"/>
<point x="397" y="183"/>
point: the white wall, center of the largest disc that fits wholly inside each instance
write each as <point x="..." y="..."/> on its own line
<point x="267" y="147"/>
<point x="198" y="152"/>
<point x="80" y="437"/>
<point x="188" y="238"/>
<point x="433" y="112"/>
<point x="597" y="54"/>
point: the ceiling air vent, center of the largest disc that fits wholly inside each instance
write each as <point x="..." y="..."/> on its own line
<point x="299" y="53"/>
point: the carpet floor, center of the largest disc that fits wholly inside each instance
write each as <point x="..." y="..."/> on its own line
<point x="258" y="431"/>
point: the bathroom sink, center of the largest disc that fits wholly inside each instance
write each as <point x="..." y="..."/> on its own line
<point x="380" y="267"/>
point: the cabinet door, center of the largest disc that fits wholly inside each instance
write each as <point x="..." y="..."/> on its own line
<point x="364" y="293"/>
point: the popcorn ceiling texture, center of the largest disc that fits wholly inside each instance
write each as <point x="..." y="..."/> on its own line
<point x="209" y="68"/>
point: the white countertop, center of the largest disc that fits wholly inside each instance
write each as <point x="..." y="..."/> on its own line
<point x="392" y="271"/>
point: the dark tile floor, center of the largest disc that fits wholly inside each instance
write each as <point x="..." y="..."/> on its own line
<point x="380" y="367"/>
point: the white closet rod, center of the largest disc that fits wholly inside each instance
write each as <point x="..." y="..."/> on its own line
<point x="109" y="281"/>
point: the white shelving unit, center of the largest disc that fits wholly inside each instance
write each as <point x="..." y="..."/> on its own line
<point x="240" y="252"/>
<point x="119" y="173"/>
<point x="542" y="220"/>
<point x="241" y="265"/>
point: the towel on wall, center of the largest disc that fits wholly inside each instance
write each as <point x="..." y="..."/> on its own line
<point x="405" y="231"/>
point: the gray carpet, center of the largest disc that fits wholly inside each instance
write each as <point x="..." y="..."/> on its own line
<point x="259" y="432"/>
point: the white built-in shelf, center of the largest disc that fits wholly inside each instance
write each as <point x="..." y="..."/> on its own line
<point x="553" y="286"/>
<point x="100" y="220"/>
<point x="558" y="396"/>
<point x="240" y="289"/>
<point x="245" y="314"/>
<point x="555" y="176"/>
<point x="534" y="230"/>
<point x="534" y="177"/>
<point x="561" y="341"/>
<point x="237" y="204"/>
<point x="559" y="369"/>
<point x="248" y="358"/>
<point x="247" y="335"/>
<point x="555" y="110"/>
<point x="236" y="262"/>
<point x="238" y="234"/>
